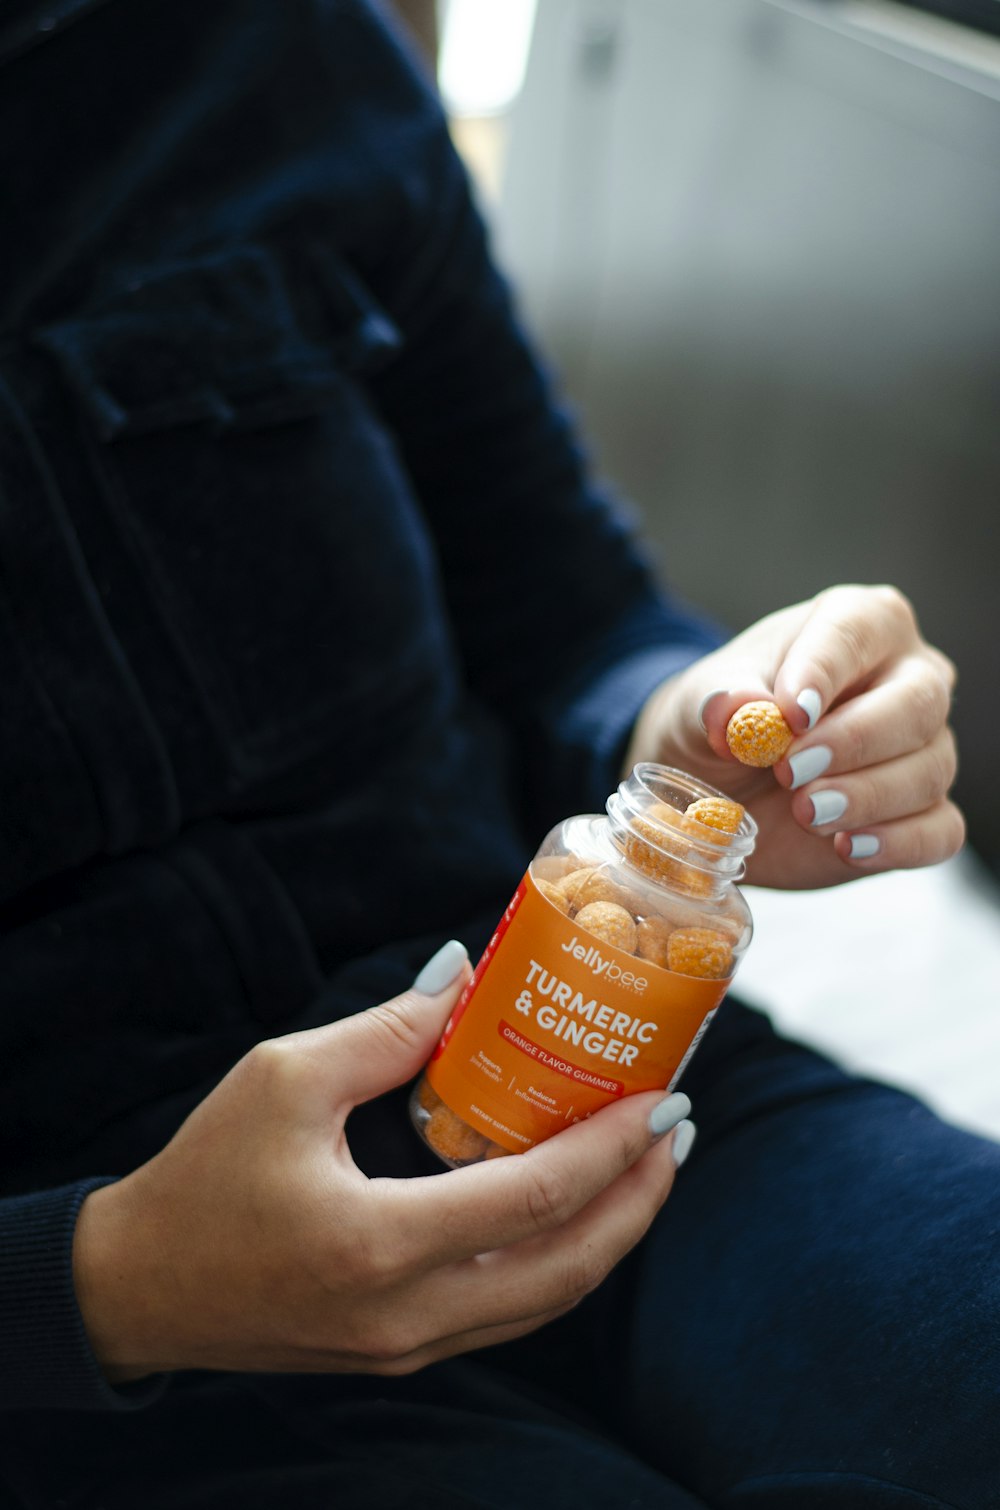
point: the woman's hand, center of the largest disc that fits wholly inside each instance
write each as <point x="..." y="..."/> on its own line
<point x="865" y="785"/>
<point x="254" y="1242"/>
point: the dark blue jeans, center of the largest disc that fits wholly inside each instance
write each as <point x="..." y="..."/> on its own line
<point x="812" y="1322"/>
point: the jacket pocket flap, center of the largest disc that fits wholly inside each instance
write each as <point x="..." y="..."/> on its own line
<point x="242" y="338"/>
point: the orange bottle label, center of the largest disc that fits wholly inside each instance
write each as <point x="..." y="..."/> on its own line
<point x="555" y="1024"/>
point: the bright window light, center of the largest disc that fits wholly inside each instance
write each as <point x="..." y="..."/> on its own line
<point x="484" y="52"/>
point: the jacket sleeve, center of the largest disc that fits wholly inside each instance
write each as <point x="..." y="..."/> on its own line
<point x="561" y="625"/>
<point x="45" y="1357"/>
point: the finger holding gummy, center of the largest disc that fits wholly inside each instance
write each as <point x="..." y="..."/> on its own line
<point x="863" y="783"/>
<point x="753" y="726"/>
<point x="849" y="637"/>
<point x="876" y="775"/>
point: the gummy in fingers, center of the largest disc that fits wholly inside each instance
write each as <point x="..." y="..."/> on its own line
<point x="758" y="735"/>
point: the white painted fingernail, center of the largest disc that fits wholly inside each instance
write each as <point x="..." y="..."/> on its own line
<point x="827" y="807"/>
<point x="667" y="1113"/>
<point x="683" y="1142"/>
<point x="808" y="764"/>
<point x="716" y="692"/>
<point x="811" y="704"/>
<point x="863" y="846"/>
<point x="442" y="968"/>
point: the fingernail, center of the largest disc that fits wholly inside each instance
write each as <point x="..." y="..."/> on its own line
<point x="442" y="968"/>
<point x="811" y="704"/>
<point x="668" y="1113"/>
<point x="863" y="846"/>
<point x="808" y="764"/>
<point x="683" y="1142"/>
<point x="716" y="692"/>
<point x="827" y="807"/>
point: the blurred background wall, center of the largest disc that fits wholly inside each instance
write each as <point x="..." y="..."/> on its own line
<point x="760" y="240"/>
<point x="764" y="248"/>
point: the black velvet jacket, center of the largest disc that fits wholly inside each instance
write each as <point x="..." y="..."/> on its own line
<point x="310" y="620"/>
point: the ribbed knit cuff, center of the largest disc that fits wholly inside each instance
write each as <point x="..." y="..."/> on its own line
<point x="46" y="1360"/>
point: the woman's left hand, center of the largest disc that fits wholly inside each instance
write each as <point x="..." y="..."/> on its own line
<point x="864" y="787"/>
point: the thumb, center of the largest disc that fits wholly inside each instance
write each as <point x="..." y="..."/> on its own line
<point x="388" y="1044"/>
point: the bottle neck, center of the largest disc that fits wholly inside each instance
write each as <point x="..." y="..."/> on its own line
<point x="650" y="824"/>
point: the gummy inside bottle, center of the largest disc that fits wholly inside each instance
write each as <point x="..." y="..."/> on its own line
<point x="652" y="883"/>
<point x="452" y="1140"/>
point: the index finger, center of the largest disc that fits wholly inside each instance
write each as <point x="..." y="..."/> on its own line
<point x="442" y="1218"/>
<point x="851" y="634"/>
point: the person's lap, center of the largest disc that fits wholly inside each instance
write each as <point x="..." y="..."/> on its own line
<point x="813" y="1319"/>
<point x="838" y="1280"/>
<point x="811" y="1322"/>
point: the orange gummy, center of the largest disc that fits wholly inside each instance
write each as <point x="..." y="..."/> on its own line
<point x="609" y="923"/>
<point x="598" y="887"/>
<point x="694" y="883"/>
<point x="757" y="734"/>
<point x="571" y="883"/>
<point x="700" y="951"/>
<point x="452" y="1138"/>
<point x="427" y="1095"/>
<point x="654" y="934"/>
<point x="717" y="812"/>
<point x="655" y="826"/>
<point x="553" y="892"/>
<point x="637" y="905"/>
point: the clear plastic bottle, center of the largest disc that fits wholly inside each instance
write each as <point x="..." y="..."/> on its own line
<point x="603" y="973"/>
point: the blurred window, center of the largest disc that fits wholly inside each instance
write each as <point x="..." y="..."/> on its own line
<point x="983" y="14"/>
<point x="484" y="52"/>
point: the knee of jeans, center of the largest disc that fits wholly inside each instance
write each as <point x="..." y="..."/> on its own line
<point x="833" y="1491"/>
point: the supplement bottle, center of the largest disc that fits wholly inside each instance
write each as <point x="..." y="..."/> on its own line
<point x="603" y="973"/>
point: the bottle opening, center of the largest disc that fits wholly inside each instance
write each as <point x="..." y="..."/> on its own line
<point x="679" y="831"/>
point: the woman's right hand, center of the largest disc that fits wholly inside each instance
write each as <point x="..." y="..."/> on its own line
<point x="254" y="1242"/>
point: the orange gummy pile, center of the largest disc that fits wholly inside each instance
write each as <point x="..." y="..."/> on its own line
<point x="702" y="952"/>
<point x="757" y="734"/>
<point x="617" y="916"/>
